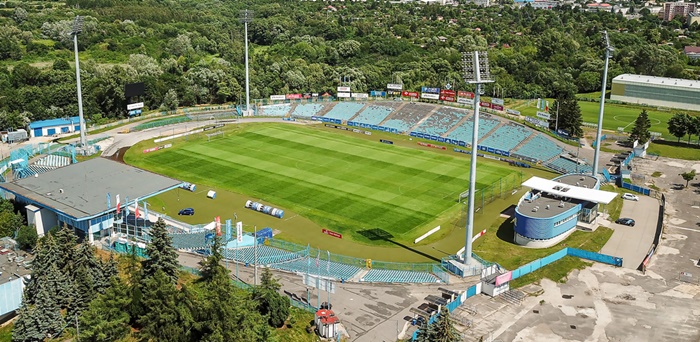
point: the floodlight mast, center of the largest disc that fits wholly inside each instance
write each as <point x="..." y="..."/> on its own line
<point x="608" y="54"/>
<point x="78" y="28"/>
<point x="476" y="71"/>
<point x="246" y="17"/>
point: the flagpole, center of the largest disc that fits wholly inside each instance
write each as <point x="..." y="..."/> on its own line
<point x="318" y="277"/>
<point x="236" y="254"/>
<point x="328" y="274"/>
<point x="308" y="265"/>
<point x="255" y="256"/>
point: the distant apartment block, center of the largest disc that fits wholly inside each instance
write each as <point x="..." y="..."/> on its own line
<point x="693" y="52"/>
<point x="675" y="9"/>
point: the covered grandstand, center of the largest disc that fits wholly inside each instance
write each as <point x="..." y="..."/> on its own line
<point x="76" y="195"/>
<point x="656" y="91"/>
<point x="552" y="209"/>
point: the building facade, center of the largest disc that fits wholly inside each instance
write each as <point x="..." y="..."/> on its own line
<point x="677" y="9"/>
<point x="656" y="91"/>
<point x="54" y="126"/>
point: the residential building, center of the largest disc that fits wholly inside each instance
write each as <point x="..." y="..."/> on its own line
<point x="677" y="9"/>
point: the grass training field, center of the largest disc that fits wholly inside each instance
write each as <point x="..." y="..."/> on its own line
<point x="342" y="182"/>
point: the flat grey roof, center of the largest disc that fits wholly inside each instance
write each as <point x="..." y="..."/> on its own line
<point x="85" y="186"/>
<point x="658" y="81"/>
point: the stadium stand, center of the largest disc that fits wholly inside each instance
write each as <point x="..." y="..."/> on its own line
<point x="393" y="276"/>
<point x="190" y="240"/>
<point x="307" y="110"/>
<point x="53" y="161"/>
<point x="464" y="131"/>
<point x="540" y="148"/>
<point x="336" y="270"/>
<point x="506" y="137"/>
<point x="344" y="110"/>
<point x="407" y="116"/>
<point x="564" y="165"/>
<point x="275" y="110"/>
<point x="373" y="114"/>
<point x="441" y="121"/>
<point x="266" y="255"/>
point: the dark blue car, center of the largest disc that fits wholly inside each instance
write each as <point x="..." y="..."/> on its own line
<point x="186" y="211"/>
<point x="625" y="221"/>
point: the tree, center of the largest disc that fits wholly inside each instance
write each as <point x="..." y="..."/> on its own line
<point x="107" y="318"/>
<point x="170" y="101"/>
<point x="693" y="126"/>
<point x="640" y="132"/>
<point x="27" y="237"/>
<point x="270" y="302"/>
<point x="440" y="331"/>
<point x="678" y="125"/>
<point x="161" y="254"/>
<point x="26" y="328"/>
<point x="61" y="64"/>
<point x="688" y="176"/>
<point x="164" y="319"/>
<point x="570" y="119"/>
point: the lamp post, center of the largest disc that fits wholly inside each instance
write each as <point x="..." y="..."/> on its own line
<point x="78" y="28"/>
<point x="246" y="17"/>
<point x="476" y="71"/>
<point x="608" y="54"/>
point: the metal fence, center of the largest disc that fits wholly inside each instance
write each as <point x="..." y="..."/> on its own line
<point x="160" y="123"/>
<point x="497" y="190"/>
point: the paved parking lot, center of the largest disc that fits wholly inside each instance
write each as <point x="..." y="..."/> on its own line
<point x="632" y="243"/>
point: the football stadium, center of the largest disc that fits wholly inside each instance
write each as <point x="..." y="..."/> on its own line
<point x="366" y="180"/>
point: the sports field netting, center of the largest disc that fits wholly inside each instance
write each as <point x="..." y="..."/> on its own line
<point x="343" y="182"/>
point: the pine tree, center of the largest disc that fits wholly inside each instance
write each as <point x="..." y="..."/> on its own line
<point x="48" y="318"/>
<point x="212" y="272"/>
<point x="443" y="330"/>
<point x="640" y="132"/>
<point x="46" y="257"/>
<point x="270" y="302"/>
<point x="26" y="328"/>
<point x="161" y="254"/>
<point x="164" y="319"/>
<point x="65" y="247"/>
<point x="107" y="317"/>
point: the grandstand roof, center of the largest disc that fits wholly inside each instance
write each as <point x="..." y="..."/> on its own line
<point x="74" y="120"/>
<point x="658" y="81"/>
<point x="80" y="190"/>
<point x="571" y="191"/>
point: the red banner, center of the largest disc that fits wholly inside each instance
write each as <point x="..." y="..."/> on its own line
<point x="332" y="233"/>
<point x="293" y="96"/>
<point x="448" y="92"/>
<point x="218" y="226"/>
<point x="497" y="107"/>
<point x="447" y="98"/>
<point x="431" y="145"/>
<point x="466" y="94"/>
<point x="485" y="104"/>
<point x="409" y="94"/>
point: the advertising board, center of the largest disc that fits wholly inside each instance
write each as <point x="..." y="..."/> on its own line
<point x="447" y="98"/>
<point x="293" y="96"/>
<point x="483" y="104"/>
<point x="497" y="107"/>
<point x="430" y="96"/>
<point x="430" y="90"/>
<point x="394" y="86"/>
<point x="543" y="115"/>
<point x="409" y="94"/>
<point x="497" y="101"/>
<point x="466" y="94"/>
<point x="344" y="89"/>
<point x="133" y="106"/>
<point x="343" y="94"/>
<point x="513" y="111"/>
<point x="448" y="92"/>
<point x="360" y="95"/>
<point x="277" y="98"/>
<point x="377" y="93"/>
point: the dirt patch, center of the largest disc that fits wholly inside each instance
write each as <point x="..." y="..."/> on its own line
<point x="119" y="156"/>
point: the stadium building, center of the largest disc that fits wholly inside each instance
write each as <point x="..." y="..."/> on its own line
<point x="552" y="209"/>
<point x="83" y="196"/>
<point x="656" y="91"/>
<point x="51" y="127"/>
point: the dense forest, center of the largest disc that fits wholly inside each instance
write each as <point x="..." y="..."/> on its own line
<point x="192" y="51"/>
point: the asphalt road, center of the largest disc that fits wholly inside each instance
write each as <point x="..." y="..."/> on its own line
<point x="633" y="243"/>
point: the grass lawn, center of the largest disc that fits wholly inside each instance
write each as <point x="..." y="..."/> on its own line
<point x="672" y="149"/>
<point x="295" y="328"/>
<point x="302" y="224"/>
<point x="6" y="333"/>
<point x="615" y="207"/>
<point x="497" y="246"/>
<point x="348" y="184"/>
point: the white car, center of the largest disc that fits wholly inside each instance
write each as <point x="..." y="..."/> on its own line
<point x="629" y="196"/>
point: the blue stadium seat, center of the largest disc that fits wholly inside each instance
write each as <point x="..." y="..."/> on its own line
<point x="373" y="114"/>
<point x="506" y="137"/>
<point x="441" y="121"/>
<point x="564" y="165"/>
<point x="344" y="110"/>
<point x="407" y="116"/>
<point x="266" y="255"/>
<point x="275" y="110"/>
<point x="464" y="131"/>
<point x="540" y="148"/>
<point x="190" y="240"/>
<point x="324" y="268"/>
<point x="307" y="110"/>
<point x="393" y="276"/>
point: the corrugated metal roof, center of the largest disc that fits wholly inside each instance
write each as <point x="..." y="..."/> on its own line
<point x="11" y="296"/>
<point x="571" y="191"/>
<point x="654" y="80"/>
<point x="73" y="120"/>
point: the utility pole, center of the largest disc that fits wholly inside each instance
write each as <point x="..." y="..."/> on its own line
<point x="246" y="17"/>
<point x="608" y="54"/>
<point x="476" y="71"/>
<point x="78" y="28"/>
<point x="255" y="256"/>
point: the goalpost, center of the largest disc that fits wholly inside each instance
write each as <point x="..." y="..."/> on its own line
<point x="214" y="135"/>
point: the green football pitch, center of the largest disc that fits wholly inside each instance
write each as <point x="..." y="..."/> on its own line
<point x="340" y="181"/>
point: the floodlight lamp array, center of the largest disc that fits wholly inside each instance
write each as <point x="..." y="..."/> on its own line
<point x="246" y="16"/>
<point x="77" y="25"/>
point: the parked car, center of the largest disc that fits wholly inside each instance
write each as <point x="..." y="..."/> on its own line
<point x="630" y="197"/>
<point x="626" y="221"/>
<point x="186" y="211"/>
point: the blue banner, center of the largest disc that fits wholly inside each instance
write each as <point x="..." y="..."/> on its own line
<point x="377" y="93"/>
<point x="430" y="90"/>
<point x="228" y="230"/>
